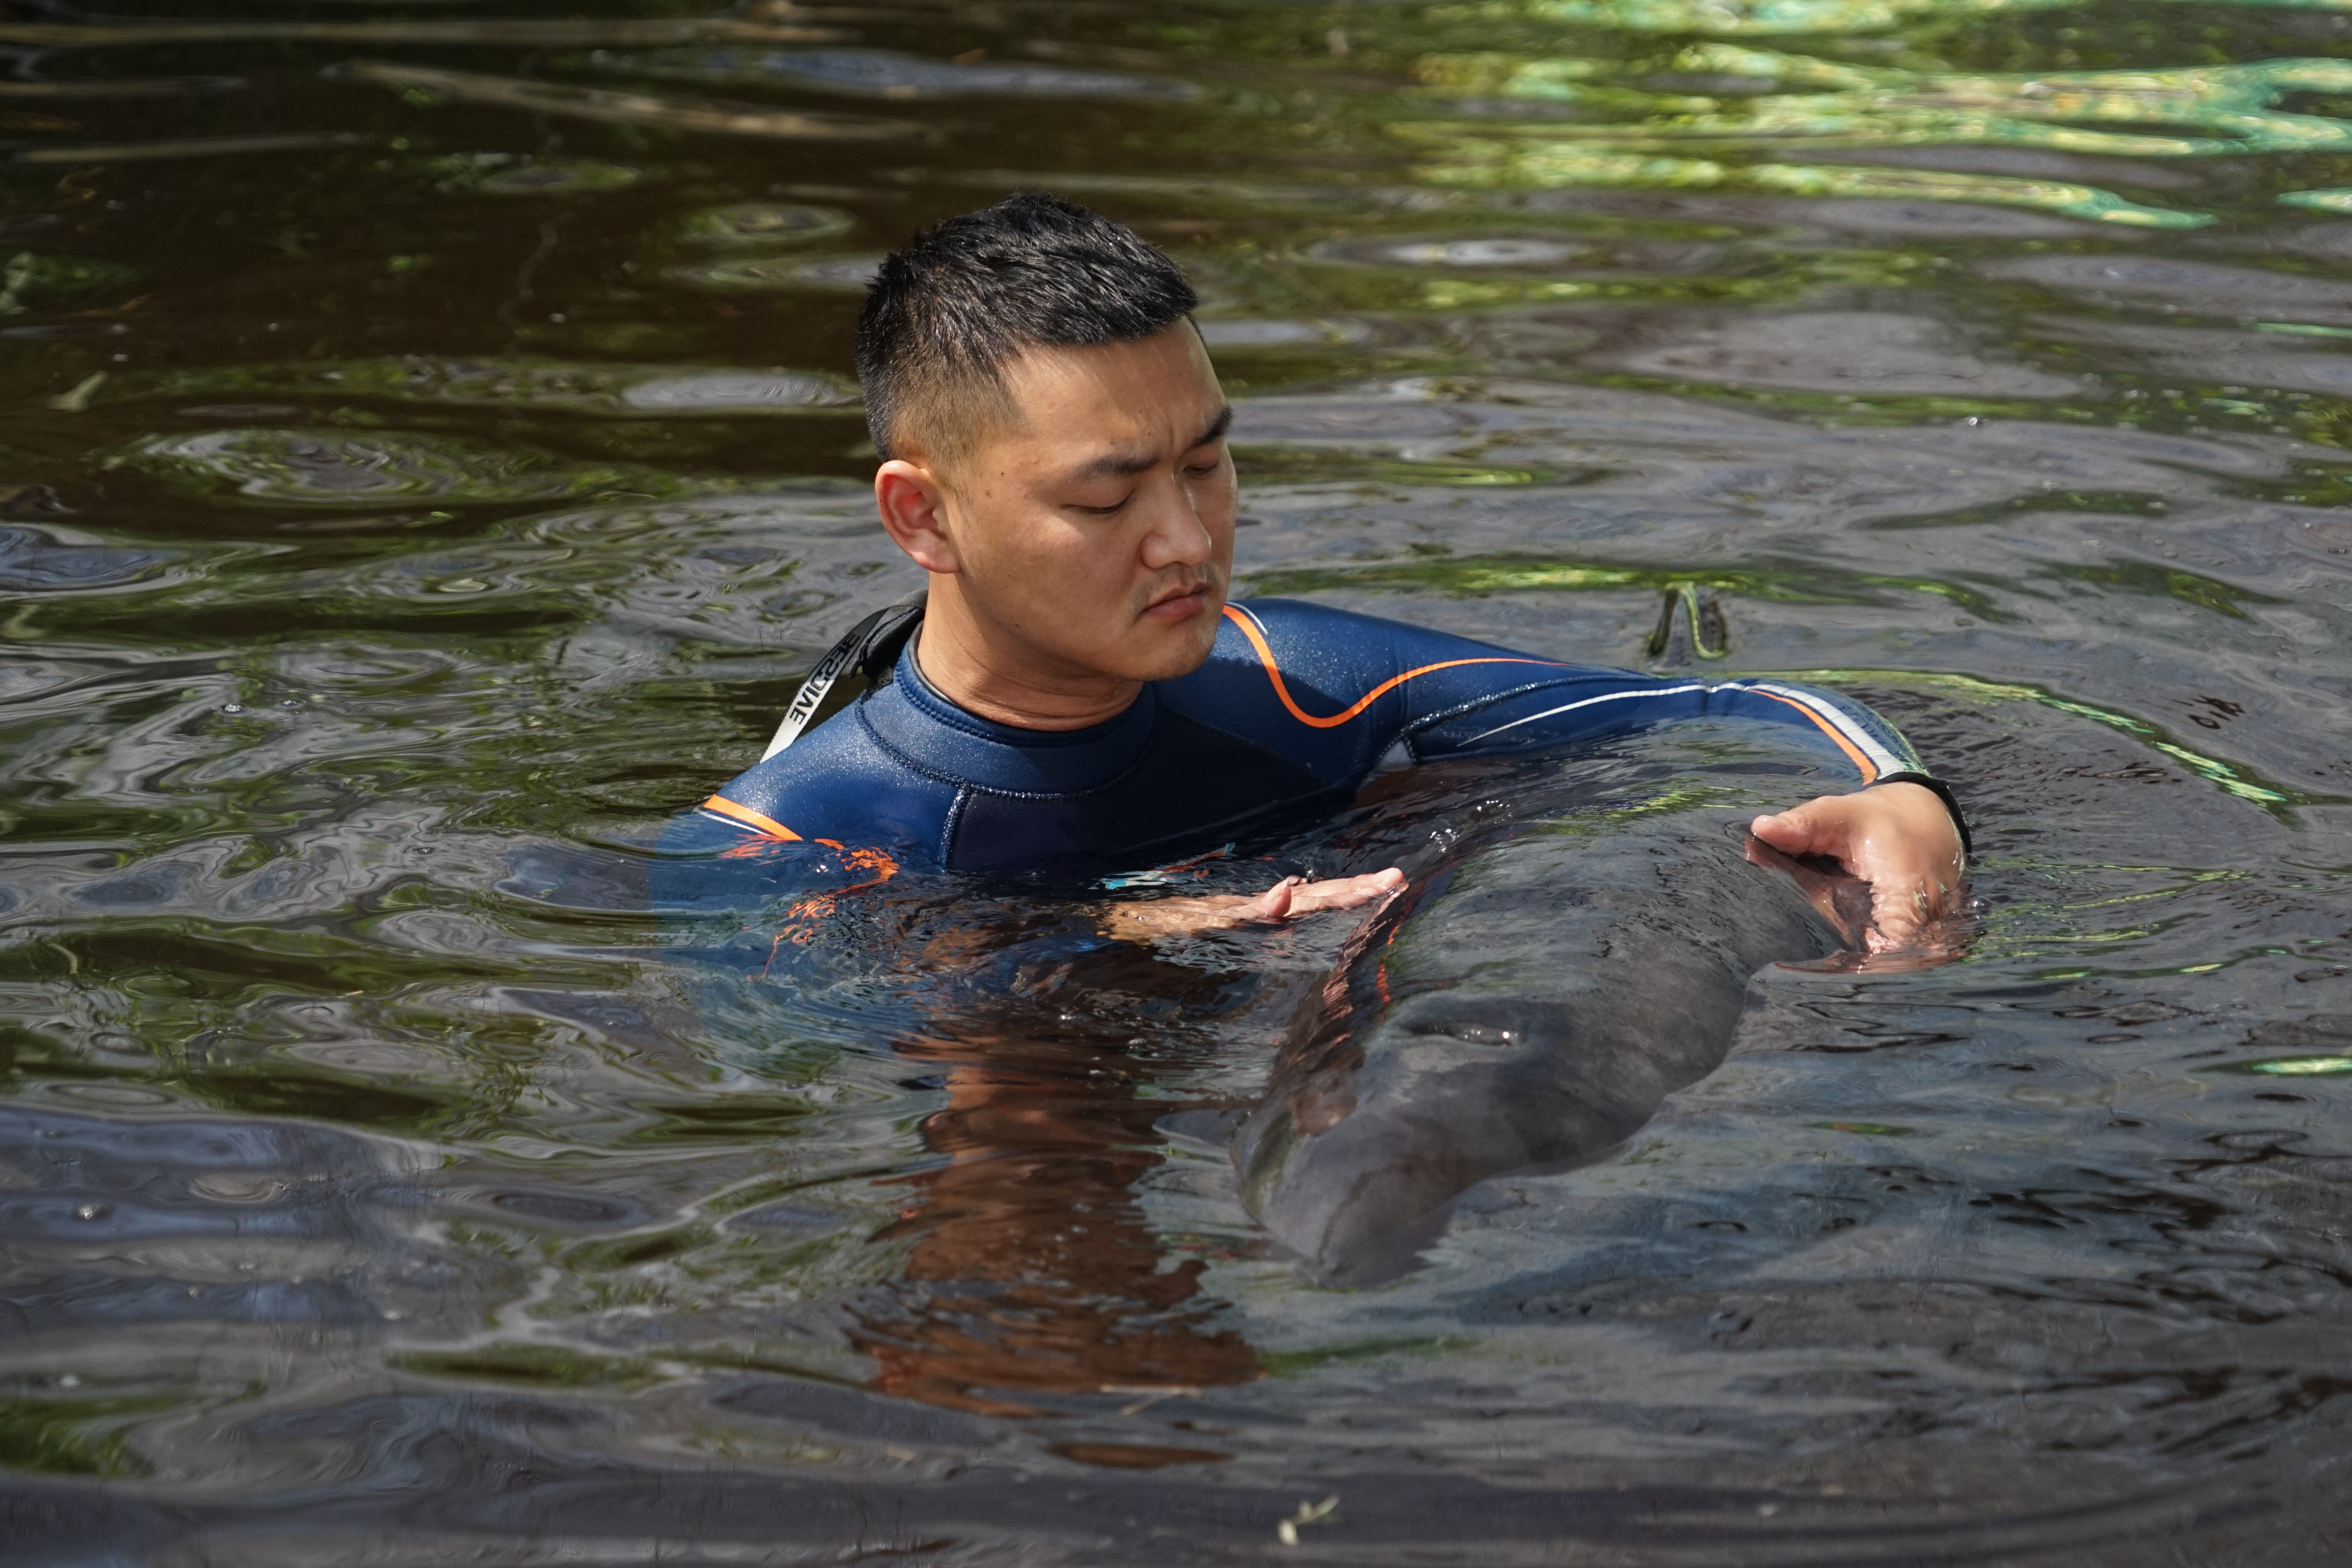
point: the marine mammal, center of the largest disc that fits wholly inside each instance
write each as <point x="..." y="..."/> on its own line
<point x="1529" y="1004"/>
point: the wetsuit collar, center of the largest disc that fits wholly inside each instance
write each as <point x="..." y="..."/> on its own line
<point x="934" y="736"/>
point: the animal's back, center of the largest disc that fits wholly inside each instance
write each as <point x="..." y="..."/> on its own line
<point x="1531" y="1008"/>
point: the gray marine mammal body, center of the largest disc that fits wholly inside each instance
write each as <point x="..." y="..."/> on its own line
<point x="1529" y="1006"/>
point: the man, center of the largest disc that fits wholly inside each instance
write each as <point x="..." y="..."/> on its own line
<point x="1081" y="695"/>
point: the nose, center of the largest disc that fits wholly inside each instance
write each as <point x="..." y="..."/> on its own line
<point x="1176" y="536"/>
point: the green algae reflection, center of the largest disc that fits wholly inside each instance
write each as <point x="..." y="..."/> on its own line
<point x="1540" y="161"/>
<point x="1876" y="106"/>
<point x="75" y="1434"/>
<point x="2233" y="778"/>
<point x="1767" y="100"/>
<point x="1763" y="17"/>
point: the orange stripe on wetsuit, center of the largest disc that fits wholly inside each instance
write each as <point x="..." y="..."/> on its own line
<point x="1869" y="769"/>
<point x="747" y="818"/>
<point x="1274" y="673"/>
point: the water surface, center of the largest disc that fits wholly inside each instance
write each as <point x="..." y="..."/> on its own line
<point x="430" y="459"/>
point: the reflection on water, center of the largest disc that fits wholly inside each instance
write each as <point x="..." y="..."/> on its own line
<point x="1028" y="1265"/>
<point x="430" y="459"/>
<point x="876" y="73"/>
<point x="429" y="85"/>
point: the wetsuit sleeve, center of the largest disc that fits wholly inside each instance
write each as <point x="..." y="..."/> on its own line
<point x="1599" y="703"/>
<point x="1586" y="703"/>
<point x="1326" y="672"/>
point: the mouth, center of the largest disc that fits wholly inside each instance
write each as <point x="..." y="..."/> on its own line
<point x="1180" y="603"/>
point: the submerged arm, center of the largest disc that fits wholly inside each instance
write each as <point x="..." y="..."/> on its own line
<point x="1286" y="899"/>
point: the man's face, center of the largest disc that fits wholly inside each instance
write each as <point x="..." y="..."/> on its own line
<point x="1097" y="528"/>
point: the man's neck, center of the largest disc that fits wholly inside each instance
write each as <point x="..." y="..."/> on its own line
<point x="985" y="670"/>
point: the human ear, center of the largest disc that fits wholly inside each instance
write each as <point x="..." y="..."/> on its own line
<point x="913" y="504"/>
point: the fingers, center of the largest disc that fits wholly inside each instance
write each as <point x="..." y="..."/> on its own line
<point x="1844" y="901"/>
<point x="1905" y="905"/>
<point x="1920" y="935"/>
<point x="1898" y="913"/>
<point x="1816" y="827"/>
<point x="1276" y="902"/>
<point x="1345" y="892"/>
<point x="1912" y="859"/>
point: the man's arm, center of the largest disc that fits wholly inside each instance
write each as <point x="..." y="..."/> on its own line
<point x="1286" y="899"/>
<point x="1379" y="682"/>
<point x="1899" y="830"/>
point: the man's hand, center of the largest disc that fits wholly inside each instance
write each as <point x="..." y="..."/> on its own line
<point x="1897" y="837"/>
<point x="1288" y="899"/>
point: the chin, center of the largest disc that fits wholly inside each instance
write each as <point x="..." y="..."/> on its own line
<point x="1178" y="650"/>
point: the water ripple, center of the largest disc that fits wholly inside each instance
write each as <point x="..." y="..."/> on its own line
<point x="394" y="532"/>
<point x="432" y="83"/>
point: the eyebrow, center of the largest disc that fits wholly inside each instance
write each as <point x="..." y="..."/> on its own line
<point x="1119" y="465"/>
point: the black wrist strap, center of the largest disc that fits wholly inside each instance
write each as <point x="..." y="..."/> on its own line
<point x="1942" y="791"/>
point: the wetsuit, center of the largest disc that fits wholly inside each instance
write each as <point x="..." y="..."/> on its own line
<point x="1296" y="706"/>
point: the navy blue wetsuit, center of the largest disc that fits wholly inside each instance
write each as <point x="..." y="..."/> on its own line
<point x="1295" y="709"/>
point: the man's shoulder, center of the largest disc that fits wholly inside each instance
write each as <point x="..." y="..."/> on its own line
<point x="1294" y="678"/>
<point x="1307" y="619"/>
<point x="1259" y="631"/>
<point x="836" y="782"/>
<point x="1274" y="631"/>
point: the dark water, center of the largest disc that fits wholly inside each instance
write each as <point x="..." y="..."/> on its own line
<point x="428" y="460"/>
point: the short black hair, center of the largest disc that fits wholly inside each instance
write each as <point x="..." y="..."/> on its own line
<point x="947" y="313"/>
